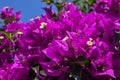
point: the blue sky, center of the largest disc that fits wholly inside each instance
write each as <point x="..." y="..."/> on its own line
<point x="29" y="8"/>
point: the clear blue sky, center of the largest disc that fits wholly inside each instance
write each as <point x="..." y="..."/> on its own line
<point x="29" y="8"/>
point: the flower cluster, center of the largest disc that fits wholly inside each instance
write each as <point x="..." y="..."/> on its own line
<point x="71" y="46"/>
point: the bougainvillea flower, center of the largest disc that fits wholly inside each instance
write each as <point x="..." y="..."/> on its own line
<point x="69" y="45"/>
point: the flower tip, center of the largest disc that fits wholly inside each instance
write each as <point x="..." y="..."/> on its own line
<point x="1" y="37"/>
<point x="65" y="38"/>
<point x="89" y="43"/>
<point x="19" y="32"/>
<point x="43" y="24"/>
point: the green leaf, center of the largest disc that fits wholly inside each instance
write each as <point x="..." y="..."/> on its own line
<point x="48" y="1"/>
<point x="13" y="33"/>
<point x="36" y="78"/>
<point x="91" y="1"/>
<point x="54" y="15"/>
<point x="9" y="36"/>
<point x="8" y="20"/>
<point x="43" y="73"/>
<point x="59" y="6"/>
<point x="84" y="5"/>
<point x="81" y="62"/>
<point x="76" y="67"/>
<point x="84" y="62"/>
<point x="36" y="68"/>
<point x="75" y="71"/>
